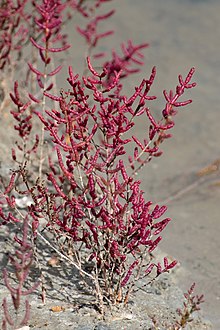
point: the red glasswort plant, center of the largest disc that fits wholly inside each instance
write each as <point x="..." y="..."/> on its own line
<point x="190" y="306"/>
<point x="21" y="262"/>
<point x="88" y="194"/>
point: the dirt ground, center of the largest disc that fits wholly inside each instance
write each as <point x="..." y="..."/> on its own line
<point x="181" y="34"/>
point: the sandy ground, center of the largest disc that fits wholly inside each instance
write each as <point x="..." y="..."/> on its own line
<point x="182" y="34"/>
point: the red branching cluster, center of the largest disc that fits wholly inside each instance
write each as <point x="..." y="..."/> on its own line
<point x="91" y="34"/>
<point x="191" y="304"/>
<point x="23" y="118"/>
<point x="49" y="22"/>
<point x="102" y="206"/>
<point x="131" y="55"/>
<point x="14" y="27"/>
<point x="47" y="33"/>
<point x="21" y="262"/>
<point x="24" y="124"/>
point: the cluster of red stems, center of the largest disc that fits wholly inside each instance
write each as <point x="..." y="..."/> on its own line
<point x="191" y="304"/>
<point x="87" y="194"/>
